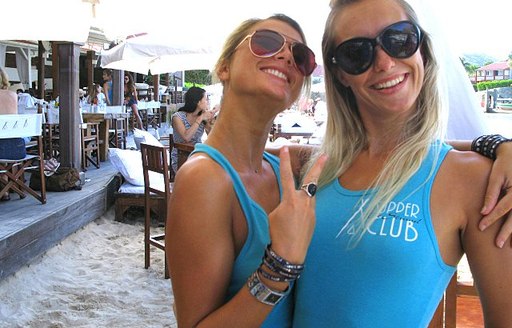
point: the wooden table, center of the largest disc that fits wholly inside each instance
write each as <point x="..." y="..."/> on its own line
<point x="184" y="150"/>
<point x="104" y="120"/>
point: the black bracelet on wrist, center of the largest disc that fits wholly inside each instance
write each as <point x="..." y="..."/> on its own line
<point x="282" y="270"/>
<point x="487" y="145"/>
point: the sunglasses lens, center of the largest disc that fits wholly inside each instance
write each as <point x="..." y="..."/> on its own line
<point x="354" y="56"/>
<point x="401" y="40"/>
<point x="266" y="43"/>
<point x="304" y="59"/>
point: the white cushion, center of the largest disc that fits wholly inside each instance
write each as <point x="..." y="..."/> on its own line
<point x="140" y="136"/>
<point x="129" y="164"/>
<point x="128" y="188"/>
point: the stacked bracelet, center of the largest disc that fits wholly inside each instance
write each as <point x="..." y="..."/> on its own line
<point x="281" y="269"/>
<point x="487" y="145"/>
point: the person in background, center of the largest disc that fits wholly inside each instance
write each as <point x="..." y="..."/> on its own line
<point x="131" y="100"/>
<point x="96" y="97"/>
<point x="191" y="121"/>
<point x="82" y="99"/>
<point x="8" y="98"/>
<point x="396" y="207"/>
<point x="107" y="86"/>
<point x="215" y="260"/>
<point x="10" y="148"/>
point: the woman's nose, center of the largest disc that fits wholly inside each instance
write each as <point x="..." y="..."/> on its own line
<point x="286" y="53"/>
<point x="383" y="61"/>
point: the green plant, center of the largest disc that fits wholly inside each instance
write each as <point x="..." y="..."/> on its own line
<point x="482" y="86"/>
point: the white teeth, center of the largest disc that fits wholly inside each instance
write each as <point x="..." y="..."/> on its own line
<point x="389" y="84"/>
<point x="276" y="73"/>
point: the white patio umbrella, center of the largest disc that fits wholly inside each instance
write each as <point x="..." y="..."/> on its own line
<point x="149" y="52"/>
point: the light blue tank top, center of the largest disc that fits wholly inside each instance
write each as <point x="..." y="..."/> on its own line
<point x="257" y="236"/>
<point x="394" y="277"/>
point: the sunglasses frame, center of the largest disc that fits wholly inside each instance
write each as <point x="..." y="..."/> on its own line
<point x="284" y="42"/>
<point x="377" y="41"/>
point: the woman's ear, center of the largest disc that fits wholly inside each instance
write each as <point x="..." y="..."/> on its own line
<point x="223" y="71"/>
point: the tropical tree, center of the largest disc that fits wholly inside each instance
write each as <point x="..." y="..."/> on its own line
<point x="470" y="68"/>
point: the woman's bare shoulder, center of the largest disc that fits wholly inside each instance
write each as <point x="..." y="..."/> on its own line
<point x="202" y="173"/>
<point x="465" y="176"/>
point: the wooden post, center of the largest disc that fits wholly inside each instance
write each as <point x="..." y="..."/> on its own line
<point x="90" y="70"/>
<point x="69" y="114"/>
<point x="41" y="69"/>
<point x="117" y="87"/>
<point x="55" y="70"/>
<point x="156" y="85"/>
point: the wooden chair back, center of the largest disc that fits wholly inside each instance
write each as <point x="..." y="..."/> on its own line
<point x="157" y="181"/>
<point x="12" y="171"/>
<point x="90" y="139"/>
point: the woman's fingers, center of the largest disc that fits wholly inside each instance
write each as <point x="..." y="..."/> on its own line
<point x="498" y="198"/>
<point x="316" y="169"/>
<point x="285" y="169"/>
<point x="497" y="213"/>
<point x="292" y="222"/>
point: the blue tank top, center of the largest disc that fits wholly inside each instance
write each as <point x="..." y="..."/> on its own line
<point x="394" y="277"/>
<point x="257" y="237"/>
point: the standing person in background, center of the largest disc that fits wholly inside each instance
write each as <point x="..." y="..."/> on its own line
<point x="107" y="86"/>
<point x="396" y="207"/>
<point x="191" y="121"/>
<point x="131" y="100"/>
<point x="250" y="200"/>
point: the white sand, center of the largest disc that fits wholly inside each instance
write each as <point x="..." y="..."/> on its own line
<point x="94" y="278"/>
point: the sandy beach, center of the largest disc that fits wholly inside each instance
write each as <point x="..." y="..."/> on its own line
<point x="94" y="278"/>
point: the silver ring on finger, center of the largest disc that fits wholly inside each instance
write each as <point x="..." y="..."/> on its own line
<point x="309" y="188"/>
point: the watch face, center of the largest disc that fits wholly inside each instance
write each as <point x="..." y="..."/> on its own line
<point x="272" y="298"/>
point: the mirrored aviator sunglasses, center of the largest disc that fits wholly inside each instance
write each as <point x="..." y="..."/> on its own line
<point x="399" y="40"/>
<point x="267" y="43"/>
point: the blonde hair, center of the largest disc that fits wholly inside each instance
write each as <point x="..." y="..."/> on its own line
<point x="345" y="135"/>
<point x="244" y="29"/>
<point x="4" y="80"/>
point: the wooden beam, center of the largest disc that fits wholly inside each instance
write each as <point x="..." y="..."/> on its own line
<point x="69" y="114"/>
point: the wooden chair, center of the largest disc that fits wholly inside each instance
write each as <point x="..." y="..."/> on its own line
<point x="446" y="313"/>
<point x="153" y="116"/>
<point x="51" y="136"/>
<point x="90" y="139"/>
<point x="118" y="132"/>
<point x="157" y="181"/>
<point x="12" y="171"/>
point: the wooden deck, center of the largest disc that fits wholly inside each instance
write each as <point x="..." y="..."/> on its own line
<point x="28" y="228"/>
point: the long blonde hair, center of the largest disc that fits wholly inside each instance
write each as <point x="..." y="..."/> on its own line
<point x="4" y="80"/>
<point x="345" y="135"/>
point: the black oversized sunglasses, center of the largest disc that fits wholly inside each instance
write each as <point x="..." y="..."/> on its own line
<point x="267" y="43"/>
<point x="398" y="40"/>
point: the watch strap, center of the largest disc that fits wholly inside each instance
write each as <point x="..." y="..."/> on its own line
<point x="262" y="292"/>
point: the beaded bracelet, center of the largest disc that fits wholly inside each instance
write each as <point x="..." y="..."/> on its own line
<point x="487" y="145"/>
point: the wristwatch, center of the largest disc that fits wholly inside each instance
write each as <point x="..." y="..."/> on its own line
<point x="262" y="292"/>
